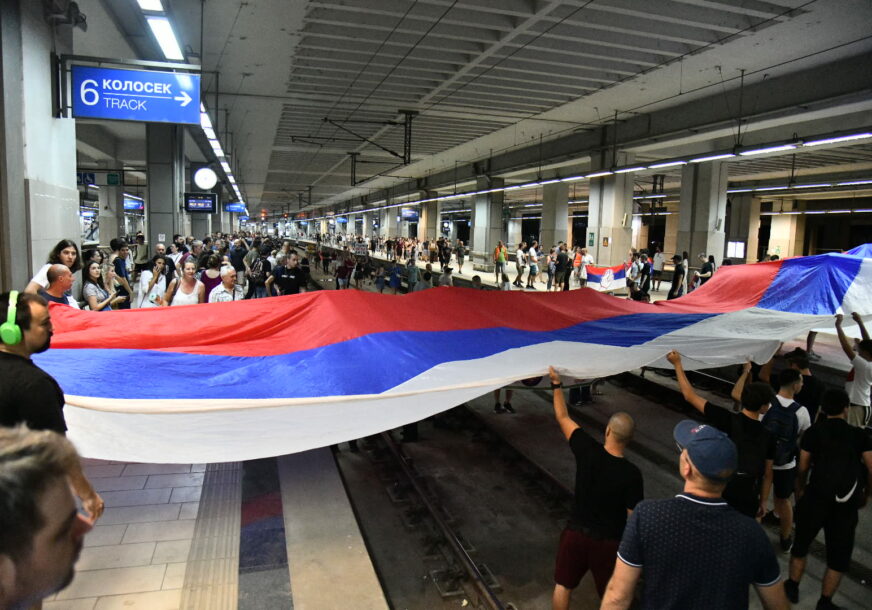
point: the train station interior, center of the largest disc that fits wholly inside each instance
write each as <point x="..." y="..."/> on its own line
<point x="737" y="129"/>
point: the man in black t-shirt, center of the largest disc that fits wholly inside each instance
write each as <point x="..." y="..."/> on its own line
<point x="677" y="288"/>
<point x="840" y="459"/>
<point x="29" y="395"/>
<point x="607" y="488"/>
<point x="561" y="267"/>
<point x="748" y="488"/>
<point x="289" y="278"/>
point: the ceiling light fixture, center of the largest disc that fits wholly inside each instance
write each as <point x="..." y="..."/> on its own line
<point x="151" y="5"/>
<point x="768" y="149"/>
<point x="598" y="174"/>
<point x="667" y="164"/>
<point x="166" y="38"/>
<point x="712" y="157"/>
<point x="835" y="140"/>
<point x="625" y="170"/>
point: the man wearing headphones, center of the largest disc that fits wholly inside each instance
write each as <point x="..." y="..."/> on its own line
<point x="29" y="395"/>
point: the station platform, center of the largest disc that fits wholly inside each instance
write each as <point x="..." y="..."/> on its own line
<point x="272" y="533"/>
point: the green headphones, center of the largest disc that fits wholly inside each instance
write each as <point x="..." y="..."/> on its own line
<point x="10" y="332"/>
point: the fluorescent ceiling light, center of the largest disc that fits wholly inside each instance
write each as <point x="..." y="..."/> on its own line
<point x="532" y="205"/>
<point x="810" y="186"/>
<point x="739" y="190"/>
<point x="216" y="147"/>
<point x="577" y="201"/>
<point x="166" y="38"/>
<point x="768" y="149"/>
<point x="232" y="179"/>
<point x="599" y="174"/>
<point x="815" y="211"/>
<point x="225" y="166"/>
<point x="205" y="123"/>
<point x="512" y="188"/>
<point x="792" y="213"/>
<point x="838" y="211"/>
<point x="667" y="164"/>
<point x="150" y="5"/>
<point x="772" y="188"/>
<point x="658" y="196"/>
<point x="862" y="211"/>
<point x="210" y="133"/>
<point x="552" y="181"/>
<point x="856" y="136"/>
<point x="854" y="182"/>
<point x="712" y="158"/>
<point x="625" y="170"/>
<point x="133" y="196"/>
<point x="572" y="178"/>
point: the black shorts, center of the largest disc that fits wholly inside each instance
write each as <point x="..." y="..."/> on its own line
<point x="839" y="522"/>
<point x="656" y="274"/>
<point x="784" y="481"/>
<point x="578" y="554"/>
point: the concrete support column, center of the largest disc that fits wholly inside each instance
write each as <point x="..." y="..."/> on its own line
<point x="430" y="218"/>
<point x="165" y="154"/>
<point x="514" y="233"/>
<point x="323" y="227"/>
<point x="487" y="223"/>
<point x="39" y="202"/>
<point x="367" y="224"/>
<point x="702" y="209"/>
<point x="351" y="227"/>
<point x="787" y="233"/>
<point x="555" y="214"/>
<point x="389" y="226"/>
<point x="743" y="225"/>
<point x="610" y="212"/>
<point x="111" y="215"/>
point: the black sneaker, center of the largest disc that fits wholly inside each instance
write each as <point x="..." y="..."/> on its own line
<point x="507" y="406"/>
<point x="786" y="544"/>
<point x="826" y="603"/>
<point x="498" y="408"/>
<point x="791" y="590"/>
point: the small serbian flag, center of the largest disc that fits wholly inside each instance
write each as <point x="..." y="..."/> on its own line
<point x="606" y="278"/>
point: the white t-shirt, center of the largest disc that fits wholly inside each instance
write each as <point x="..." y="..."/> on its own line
<point x="520" y="258"/>
<point x="859" y="381"/>
<point x="159" y="288"/>
<point x="533" y="256"/>
<point x="659" y="259"/>
<point x="802" y="418"/>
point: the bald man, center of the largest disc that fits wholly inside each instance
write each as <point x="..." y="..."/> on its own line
<point x="607" y="489"/>
<point x="60" y="282"/>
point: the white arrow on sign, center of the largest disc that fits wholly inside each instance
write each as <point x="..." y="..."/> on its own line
<point x="184" y="98"/>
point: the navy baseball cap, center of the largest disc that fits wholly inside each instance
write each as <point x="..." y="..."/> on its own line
<point x="711" y="451"/>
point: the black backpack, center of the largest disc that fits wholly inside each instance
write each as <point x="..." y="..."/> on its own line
<point x="837" y="472"/>
<point x="784" y="426"/>
<point x="258" y="275"/>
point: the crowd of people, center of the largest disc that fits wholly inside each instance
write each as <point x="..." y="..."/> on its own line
<point x="787" y="438"/>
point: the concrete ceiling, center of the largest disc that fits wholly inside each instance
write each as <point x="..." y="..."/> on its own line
<point x="485" y="77"/>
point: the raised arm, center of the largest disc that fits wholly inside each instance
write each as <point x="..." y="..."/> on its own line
<point x="696" y="401"/>
<point x="567" y="425"/>
<point x="863" y="333"/>
<point x="736" y="394"/>
<point x="843" y="339"/>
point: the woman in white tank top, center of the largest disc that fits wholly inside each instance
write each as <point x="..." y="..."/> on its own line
<point x="187" y="290"/>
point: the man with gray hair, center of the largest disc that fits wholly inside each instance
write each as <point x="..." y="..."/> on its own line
<point x="41" y="532"/>
<point x="169" y="265"/>
<point x="607" y="489"/>
<point x="228" y="289"/>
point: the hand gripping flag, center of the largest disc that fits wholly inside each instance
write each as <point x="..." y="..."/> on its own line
<point x="234" y="381"/>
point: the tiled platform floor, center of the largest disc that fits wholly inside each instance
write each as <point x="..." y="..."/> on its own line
<point x="137" y="554"/>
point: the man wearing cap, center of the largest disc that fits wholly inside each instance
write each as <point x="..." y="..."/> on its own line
<point x="696" y="550"/>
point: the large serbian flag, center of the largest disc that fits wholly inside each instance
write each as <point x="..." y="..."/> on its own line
<point x="233" y="381"/>
<point x="606" y="279"/>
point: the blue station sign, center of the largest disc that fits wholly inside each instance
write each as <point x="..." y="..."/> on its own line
<point x="135" y="95"/>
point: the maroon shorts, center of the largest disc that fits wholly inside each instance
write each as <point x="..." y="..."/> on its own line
<point x="579" y="553"/>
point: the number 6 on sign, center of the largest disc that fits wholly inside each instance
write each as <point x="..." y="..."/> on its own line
<point x="88" y="92"/>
